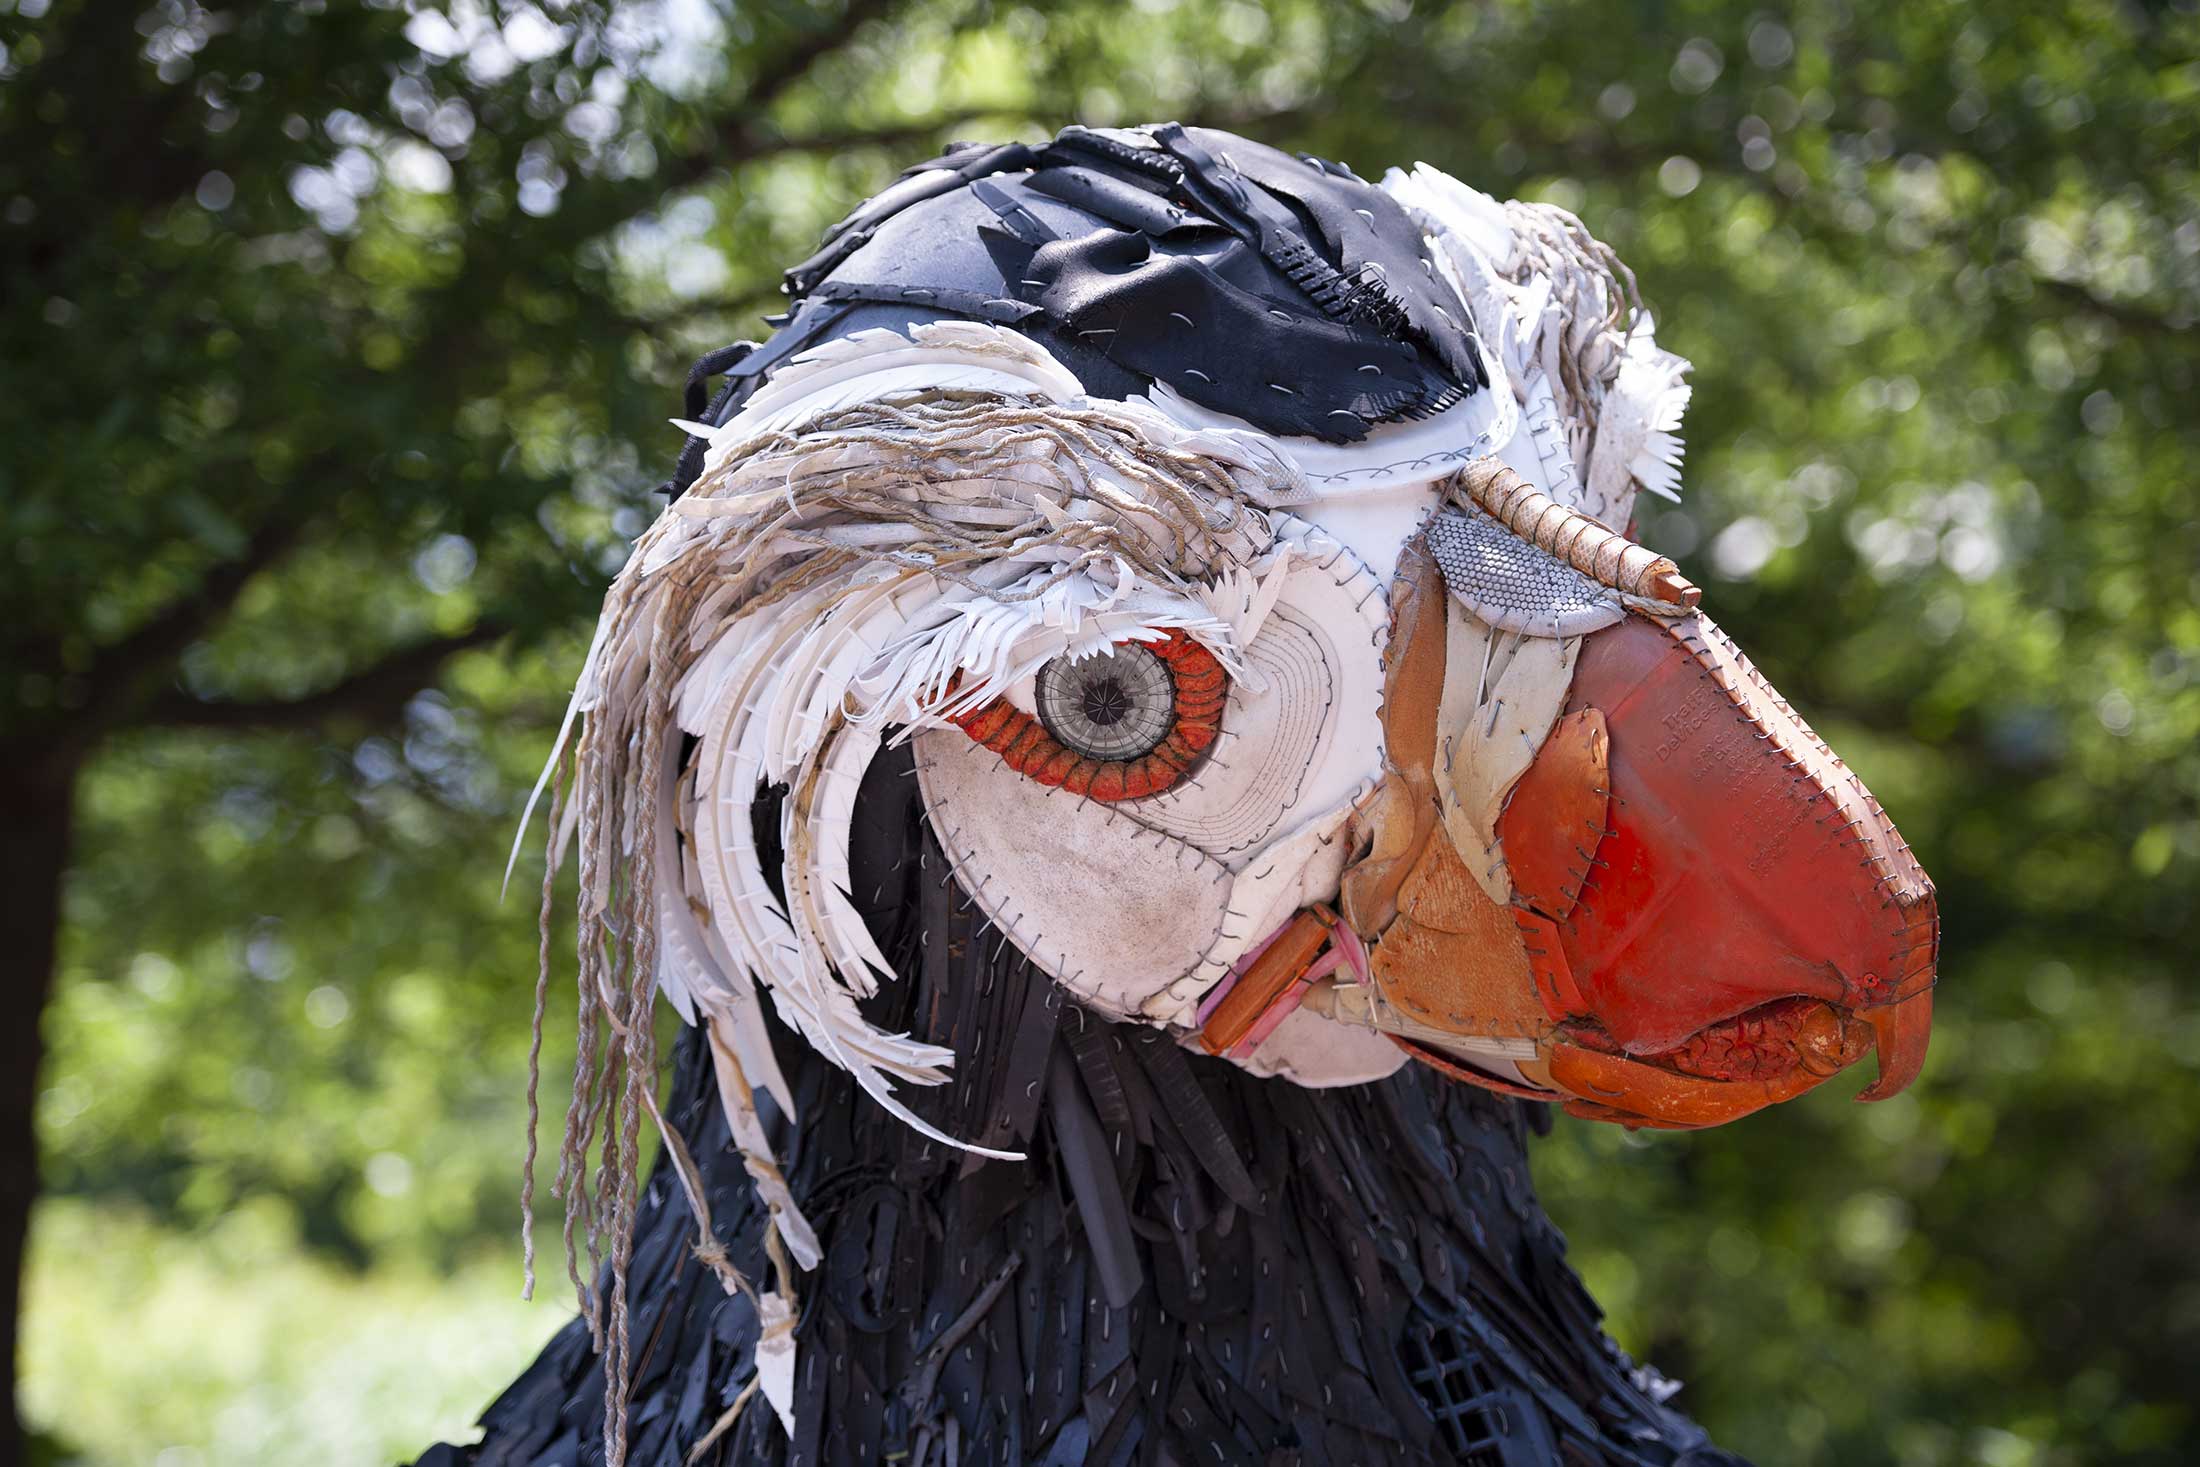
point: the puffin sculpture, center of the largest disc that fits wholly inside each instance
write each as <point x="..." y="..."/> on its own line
<point x="1144" y="759"/>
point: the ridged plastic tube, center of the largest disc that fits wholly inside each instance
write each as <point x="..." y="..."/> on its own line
<point x="1603" y="555"/>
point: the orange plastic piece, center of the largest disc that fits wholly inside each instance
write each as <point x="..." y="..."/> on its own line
<point x="1743" y="863"/>
<point x="1452" y="958"/>
<point x="1403" y="816"/>
<point x="1554" y="819"/>
<point x="1272" y="973"/>
<point x="1444" y="1064"/>
<point x="1812" y="1043"/>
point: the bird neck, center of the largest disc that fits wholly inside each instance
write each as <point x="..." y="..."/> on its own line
<point x="1189" y="1263"/>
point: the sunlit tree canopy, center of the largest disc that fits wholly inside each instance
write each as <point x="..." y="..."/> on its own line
<point x="339" y="344"/>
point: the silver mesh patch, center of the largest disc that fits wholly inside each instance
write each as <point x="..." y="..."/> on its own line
<point x="1512" y="585"/>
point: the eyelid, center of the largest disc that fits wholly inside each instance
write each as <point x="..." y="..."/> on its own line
<point x="1202" y="687"/>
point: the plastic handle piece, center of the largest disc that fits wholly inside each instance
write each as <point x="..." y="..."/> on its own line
<point x="1600" y="553"/>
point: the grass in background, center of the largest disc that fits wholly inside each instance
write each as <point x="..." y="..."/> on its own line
<point x="145" y="1346"/>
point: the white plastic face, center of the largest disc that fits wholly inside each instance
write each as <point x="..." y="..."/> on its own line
<point x="1141" y="906"/>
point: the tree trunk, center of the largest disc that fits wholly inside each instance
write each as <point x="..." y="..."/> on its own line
<point x="37" y="794"/>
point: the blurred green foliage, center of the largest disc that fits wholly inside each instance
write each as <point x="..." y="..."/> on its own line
<point x="339" y="340"/>
<point x="249" y="1348"/>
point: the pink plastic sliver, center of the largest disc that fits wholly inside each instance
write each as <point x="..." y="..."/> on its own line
<point x="1348" y="943"/>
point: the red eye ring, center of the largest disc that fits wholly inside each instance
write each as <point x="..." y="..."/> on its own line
<point x="1201" y="687"/>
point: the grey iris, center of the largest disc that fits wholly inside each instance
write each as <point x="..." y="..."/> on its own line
<point x="1118" y="705"/>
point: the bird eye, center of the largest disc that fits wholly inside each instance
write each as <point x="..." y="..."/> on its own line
<point x="1130" y="722"/>
<point x="1118" y="705"/>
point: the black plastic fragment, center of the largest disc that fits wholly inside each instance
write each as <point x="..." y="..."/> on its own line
<point x="1283" y="291"/>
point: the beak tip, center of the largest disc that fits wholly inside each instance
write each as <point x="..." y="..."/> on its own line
<point x="1901" y="1031"/>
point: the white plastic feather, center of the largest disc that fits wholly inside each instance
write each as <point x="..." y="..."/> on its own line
<point x="740" y="1019"/>
<point x="775" y="1354"/>
<point x="1638" y="437"/>
<point x="1475" y="217"/>
<point x="862" y="367"/>
<point x="1627" y="436"/>
<point x="1547" y="431"/>
<point x="1242" y="597"/>
<point x="737" y="1099"/>
<point x="982" y="644"/>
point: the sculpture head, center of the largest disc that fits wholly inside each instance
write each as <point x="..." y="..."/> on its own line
<point x="1242" y="549"/>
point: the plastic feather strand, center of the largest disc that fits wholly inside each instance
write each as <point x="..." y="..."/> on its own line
<point x="832" y="579"/>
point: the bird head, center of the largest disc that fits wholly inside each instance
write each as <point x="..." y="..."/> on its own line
<point x="1241" y="551"/>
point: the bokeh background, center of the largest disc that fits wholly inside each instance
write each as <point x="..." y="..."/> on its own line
<point x="339" y="341"/>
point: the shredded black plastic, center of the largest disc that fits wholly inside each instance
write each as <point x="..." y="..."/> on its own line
<point x="1194" y="1266"/>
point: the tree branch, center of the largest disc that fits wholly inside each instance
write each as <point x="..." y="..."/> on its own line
<point x="120" y="674"/>
<point x="2130" y="317"/>
<point x="375" y="694"/>
<point x="120" y="671"/>
<point x="743" y="137"/>
<point x="780" y="75"/>
<point x="744" y="141"/>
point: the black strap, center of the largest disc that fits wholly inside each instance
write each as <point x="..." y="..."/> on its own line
<point x="703" y="408"/>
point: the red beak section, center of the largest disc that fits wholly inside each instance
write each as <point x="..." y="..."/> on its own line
<point x="1745" y="922"/>
<point x="1708" y="913"/>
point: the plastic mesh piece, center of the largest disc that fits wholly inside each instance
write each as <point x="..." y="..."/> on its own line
<point x="1483" y="1417"/>
<point x="1511" y="584"/>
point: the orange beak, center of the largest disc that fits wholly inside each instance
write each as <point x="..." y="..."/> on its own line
<point x="1747" y="923"/>
<point x="1709" y="913"/>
